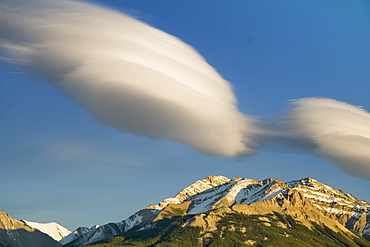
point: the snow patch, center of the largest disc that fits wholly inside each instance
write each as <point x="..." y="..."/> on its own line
<point x="52" y="229"/>
<point x="133" y="221"/>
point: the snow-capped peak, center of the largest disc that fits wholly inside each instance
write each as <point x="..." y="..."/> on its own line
<point x="193" y="189"/>
<point x="219" y="193"/>
<point x="52" y="229"/>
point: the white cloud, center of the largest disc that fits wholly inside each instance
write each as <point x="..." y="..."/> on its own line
<point x="127" y="74"/>
<point x="138" y="79"/>
<point x="339" y="131"/>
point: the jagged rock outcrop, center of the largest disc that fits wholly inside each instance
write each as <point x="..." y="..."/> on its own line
<point x="15" y="233"/>
<point x="207" y="202"/>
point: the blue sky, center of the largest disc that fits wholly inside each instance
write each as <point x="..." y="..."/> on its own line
<point x="59" y="164"/>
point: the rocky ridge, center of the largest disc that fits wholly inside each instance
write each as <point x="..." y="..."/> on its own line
<point x="15" y="233"/>
<point x="209" y="200"/>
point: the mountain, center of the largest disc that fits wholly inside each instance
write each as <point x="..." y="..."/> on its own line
<point x="15" y="233"/>
<point x="218" y="211"/>
<point x="52" y="229"/>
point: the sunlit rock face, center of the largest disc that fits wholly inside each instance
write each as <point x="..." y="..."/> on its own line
<point x="208" y="201"/>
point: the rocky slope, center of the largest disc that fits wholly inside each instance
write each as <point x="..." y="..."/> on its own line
<point x="15" y="233"/>
<point x="83" y="235"/>
<point x="205" y="204"/>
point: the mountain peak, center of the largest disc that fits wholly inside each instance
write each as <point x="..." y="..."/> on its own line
<point x="215" y="180"/>
<point x="315" y="185"/>
<point x="196" y="187"/>
<point x="15" y="232"/>
<point x="208" y="200"/>
<point x="52" y="229"/>
<point x="308" y="181"/>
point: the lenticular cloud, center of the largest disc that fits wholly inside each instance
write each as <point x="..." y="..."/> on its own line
<point x="138" y="79"/>
<point x="127" y="74"/>
<point x="339" y="131"/>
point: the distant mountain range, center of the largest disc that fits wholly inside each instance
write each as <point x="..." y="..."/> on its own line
<point x="218" y="211"/>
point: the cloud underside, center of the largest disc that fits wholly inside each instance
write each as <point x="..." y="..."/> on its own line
<point x="138" y="79"/>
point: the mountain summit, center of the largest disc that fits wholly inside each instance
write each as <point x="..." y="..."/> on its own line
<point x="16" y="233"/>
<point x="218" y="211"/>
<point x="52" y="229"/>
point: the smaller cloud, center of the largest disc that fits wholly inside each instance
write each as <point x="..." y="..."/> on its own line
<point x="337" y="131"/>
